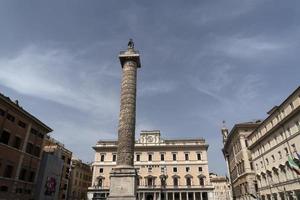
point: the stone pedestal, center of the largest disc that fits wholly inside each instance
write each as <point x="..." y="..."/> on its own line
<point x="123" y="183"/>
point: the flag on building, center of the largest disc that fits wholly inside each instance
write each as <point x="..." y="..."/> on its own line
<point x="298" y="155"/>
<point x="293" y="165"/>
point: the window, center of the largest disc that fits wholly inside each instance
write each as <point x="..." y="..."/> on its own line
<point x="101" y="170"/>
<point x="200" y="169"/>
<point x="150" y="181"/>
<point x="3" y="188"/>
<point x="198" y="156"/>
<point x="251" y="165"/>
<point x="187" y="169"/>
<point x="22" y="175"/>
<point x="8" y="171"/>
<point x="2" y="112"/>
<point x="10" y="117"/>
<point x="289" y="131"/>
<point x="162" y="157"/>
<point x="279" y="154"/>
<point x="34" y="131"/>
<point x="175" y="181"/>
<point x="282" y="136"/>
<point x="29" y="148"/>
<point x="186" y="156"/>
<point x="267" y="161"/>
<point x="163" y="181"/>
<point x="102" y="158"/>
<point x="286" y="151"/>
<point x="294" y="148"/>
<point x="246" y="143"/>
<point x="201" y="180"/>
<point x="188" y="181"/>
<point x="138" y="157"/>
<point x="174" y="156"/>
<point x="149" y="157"/>
<point x="22" y="124"/>
<point x="100" y="182"/>
<point x="174" y="169"/>
<point x="114" y="157"/>
<point x="298" y="125"/>
<point x="5" y="137"/>
<point x="41" y="135"/>
<point x="149" y="169"/>
<point x="37" y="151"/>
<point x="292" y="105"/>
<point x="273" y="158"/>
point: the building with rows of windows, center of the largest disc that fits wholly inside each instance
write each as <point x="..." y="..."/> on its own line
<point x="264" y="161"/>
<point x="167" y="169"/>
<point x="238" y="160"/>
<point x="275" y="149"/>
<point x="52" y="145"/>
<point x="80" y="180"/>
<point x="21" y="141"/>
<point x="221" y="185"/>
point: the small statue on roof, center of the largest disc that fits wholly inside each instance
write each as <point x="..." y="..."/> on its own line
<point x="130" y="44"/>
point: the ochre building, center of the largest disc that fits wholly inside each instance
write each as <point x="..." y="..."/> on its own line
<point x="167" y="169"/>
<point x="80" y="180"/>
<point x="21" y="142"/>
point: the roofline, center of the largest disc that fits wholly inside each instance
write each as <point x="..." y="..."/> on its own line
<point x="11" y="103"/>
<point x="169" y="140"/>
<point x="275" y="109"/>
<point x="115" y="146"/>
<point x="235" y="127"/>
<point x="274" y="128"/>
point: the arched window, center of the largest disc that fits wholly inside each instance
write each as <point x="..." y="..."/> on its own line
<point x="175" y="181"/>
<point x="201" y="181"/>
<point x="150" y="180"/>
<point x="100" y="182"/>
<point x="163" y="181"/>
<point x="188" y="181"/>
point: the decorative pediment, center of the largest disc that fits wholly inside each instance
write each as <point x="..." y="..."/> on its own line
<point x="188" y="176"/>
<point x="201" y="176"/>
<point x="100" y="177"/>
<point x="175" y="176"/>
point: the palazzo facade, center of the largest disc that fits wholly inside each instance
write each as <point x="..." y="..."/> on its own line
<point x="275" y="150"/>
<point x="263" y="159"/>
<point x="167" y="169"/>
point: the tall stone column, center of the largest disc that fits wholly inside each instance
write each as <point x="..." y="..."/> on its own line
<point x="123" y="178"/>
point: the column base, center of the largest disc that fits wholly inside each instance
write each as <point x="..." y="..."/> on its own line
<point x="123" y="183"/>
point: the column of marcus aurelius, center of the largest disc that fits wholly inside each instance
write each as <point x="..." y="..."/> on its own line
<point x="123" y="183"/>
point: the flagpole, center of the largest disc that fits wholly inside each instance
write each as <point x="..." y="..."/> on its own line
<point x="288" y="144"/>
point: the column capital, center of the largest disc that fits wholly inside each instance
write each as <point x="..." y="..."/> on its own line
<point x="130" y="55"/>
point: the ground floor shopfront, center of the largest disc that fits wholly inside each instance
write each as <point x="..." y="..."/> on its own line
<point x="160" y="194"/>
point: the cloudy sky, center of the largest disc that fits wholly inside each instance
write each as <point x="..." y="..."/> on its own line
<point x="202" y="62"/>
